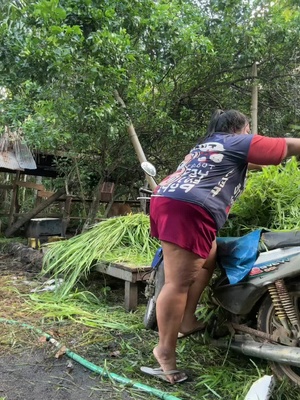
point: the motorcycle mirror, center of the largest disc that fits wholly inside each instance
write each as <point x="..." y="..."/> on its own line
<point x="148" y="168"/>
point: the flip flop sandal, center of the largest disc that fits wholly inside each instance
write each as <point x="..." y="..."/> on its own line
<point x="189" y="333"/>
<point x="159" y="373"/>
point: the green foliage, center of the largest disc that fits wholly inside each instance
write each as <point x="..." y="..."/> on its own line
<point x="171" y="61"/>
<point x="271" y="200"/>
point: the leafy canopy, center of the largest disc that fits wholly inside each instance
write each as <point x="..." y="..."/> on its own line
<point x="172" y="62"/>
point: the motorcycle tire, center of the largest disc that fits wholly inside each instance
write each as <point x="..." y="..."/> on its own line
<point x="267" y="322"/>
<point x="150" y="321"/>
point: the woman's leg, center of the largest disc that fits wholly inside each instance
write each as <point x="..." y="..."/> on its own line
<point x="189" y="321"/>
<point x="181" y="270"/>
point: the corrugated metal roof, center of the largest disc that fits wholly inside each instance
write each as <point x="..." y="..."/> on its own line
<point x="14" y="152"/>
<point x="9" y="160"/>
<point x="24" y="156"/>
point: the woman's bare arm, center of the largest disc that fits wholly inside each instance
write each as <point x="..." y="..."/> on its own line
<point x="293" y="147"/>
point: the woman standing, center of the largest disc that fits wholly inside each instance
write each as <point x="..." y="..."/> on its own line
<point x="186" y="211"/>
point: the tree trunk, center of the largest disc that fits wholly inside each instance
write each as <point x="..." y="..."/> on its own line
<point x="66" y="215"/>
<point x="254" y="100"/>
<point x="93" y="208"/>
<point x="27" y="255"/>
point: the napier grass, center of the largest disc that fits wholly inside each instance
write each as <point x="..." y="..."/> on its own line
<point x="123" y="240"/>
<point x="271" y="200"/>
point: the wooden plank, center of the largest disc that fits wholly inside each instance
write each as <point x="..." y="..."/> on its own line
<point x="44" y="193"/>
<point x="114" y="271"/>
<point x="6" y="187"/>
<point x="125" y="267"/>
<point x="30" y="185"/>
<point x="130" y="274"/>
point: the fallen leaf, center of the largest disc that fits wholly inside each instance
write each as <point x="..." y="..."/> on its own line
<point x="61" y="352"/>
<point x="42" y="339"/>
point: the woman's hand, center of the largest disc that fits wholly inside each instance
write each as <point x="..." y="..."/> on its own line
<point x="255" y="167"/>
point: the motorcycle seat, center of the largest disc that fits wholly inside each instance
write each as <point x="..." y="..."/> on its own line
<point x="273" y="240"/>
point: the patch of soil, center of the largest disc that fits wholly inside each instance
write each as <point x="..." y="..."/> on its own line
<point x="30" y="371"/>
<point x="36" y="374"/>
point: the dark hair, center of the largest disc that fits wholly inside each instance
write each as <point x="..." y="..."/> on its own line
<point x="229" y="121"/>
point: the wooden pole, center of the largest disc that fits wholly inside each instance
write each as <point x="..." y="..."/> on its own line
<point x="254" y="99"/>
<point x="14" y="198"/>
<point x="135" y="141"/>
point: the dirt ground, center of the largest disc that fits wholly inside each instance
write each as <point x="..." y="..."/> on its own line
<point x="29" y="370"/>
<point x="36" y="374"/>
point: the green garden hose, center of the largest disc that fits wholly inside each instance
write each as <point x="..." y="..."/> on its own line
<point x="93" y="367"/>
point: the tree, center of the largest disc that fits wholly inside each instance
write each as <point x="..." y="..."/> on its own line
<point x="173" y="62"/>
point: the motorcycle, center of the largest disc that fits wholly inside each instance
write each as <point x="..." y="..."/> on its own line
<point x="257" y="289"/>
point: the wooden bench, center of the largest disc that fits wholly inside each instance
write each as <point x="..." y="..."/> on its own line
<point x="131" y="276"/>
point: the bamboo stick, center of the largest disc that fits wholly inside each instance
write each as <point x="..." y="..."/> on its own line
<point x="135" y="141"/>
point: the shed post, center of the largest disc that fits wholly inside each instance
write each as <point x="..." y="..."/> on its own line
<point x="14" y="199"/>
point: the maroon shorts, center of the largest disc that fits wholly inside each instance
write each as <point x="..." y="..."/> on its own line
<point x="187" y="225"/>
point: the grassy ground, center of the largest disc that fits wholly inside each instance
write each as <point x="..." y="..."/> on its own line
<point x="94" y="325"/>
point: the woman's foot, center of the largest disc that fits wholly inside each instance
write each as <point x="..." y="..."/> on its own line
<point x="190" y="329"/>
<point x="168" y="363"/>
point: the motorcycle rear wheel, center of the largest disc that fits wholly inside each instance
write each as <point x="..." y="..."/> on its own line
<point x="150" y="321"/>
<point x="267" y="321"/>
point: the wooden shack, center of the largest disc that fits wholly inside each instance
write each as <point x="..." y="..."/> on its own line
<point x="18" y="165"/>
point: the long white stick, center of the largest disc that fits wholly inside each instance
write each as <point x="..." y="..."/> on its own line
<point x="135" y="141"/>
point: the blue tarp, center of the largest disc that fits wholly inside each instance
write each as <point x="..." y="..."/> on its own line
<point x="237" y="255"/>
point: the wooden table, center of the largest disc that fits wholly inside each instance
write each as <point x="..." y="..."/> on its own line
<point x="131" y="276"/>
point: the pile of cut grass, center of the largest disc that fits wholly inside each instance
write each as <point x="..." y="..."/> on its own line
<point x="119" y="240"/>
<point x="271" y="200"/>
<point x="83" y="307"/>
